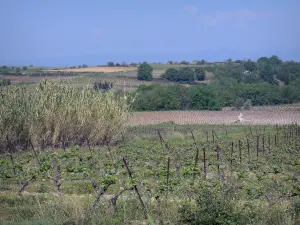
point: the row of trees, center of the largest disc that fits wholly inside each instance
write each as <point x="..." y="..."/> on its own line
<point x="213" y="96"/>
<point x="123" y="64"/>
<point x="184" y="62"/>
<point x="272" y="70"/>
<point x="184" y="74"/>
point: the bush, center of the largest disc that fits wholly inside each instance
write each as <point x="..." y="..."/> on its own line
<point x="212" y="208"/>
<point x="200" y="73"/>
<point x="184" y="62"/>
<point x="103" y="85"/>
<point x="238" y="103"/>
<point x="4" y="82"/>
<point x="144" y="72"/>
<point x="110" y="64"/>
<point x="171" y="74"/>
<point x="186" y="74"/>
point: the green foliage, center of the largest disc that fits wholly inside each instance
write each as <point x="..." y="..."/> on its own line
<point x="203" y="97"/>
<point x="250" y="65"/>
<point x="110" y="64"/>
<point x="103" y="85"/>
<point x="186" y="74"/>
<point x="144" y="72"/>
<point x="212" y="208"/>
<point x="183" y="62"/>
<point x="200" y="73"/>
<point x="4" y="82"/>
<point x="24" y="67"/>
<point x="238" y="103"/>
<point x="183" y="74"/>
<point x="171" y="74"/>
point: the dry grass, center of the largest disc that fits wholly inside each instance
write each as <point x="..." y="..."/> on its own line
<point x="97" y="69"/>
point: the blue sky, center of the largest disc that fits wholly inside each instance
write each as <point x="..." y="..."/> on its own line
<point x="72" y="32"/>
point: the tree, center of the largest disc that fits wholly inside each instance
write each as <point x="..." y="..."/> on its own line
<point x="124" y="64"/>
<point x="110" y="64"/>
<point x="24" y="67"/>
<point x="250" y="65"/>
<point x="200" y="73"/>
<point x="170" y="62"/>
<point x="184" y="62"/>
<point x="238" y="103"/>
<point x="186" y="74"/>
<point x="84" y="65"/>
<point x="144" y="72"/>
<point x="274" y="59"/>
<point x="171" y="74"/>
<point x="133" y="64"/>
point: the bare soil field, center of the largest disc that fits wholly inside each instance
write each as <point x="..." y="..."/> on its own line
<point x="258" y="116"/>
<point x="27" y="79"/>
<point x="97" y="69"/>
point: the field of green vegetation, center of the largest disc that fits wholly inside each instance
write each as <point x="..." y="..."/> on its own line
<point x="162" y="174"/>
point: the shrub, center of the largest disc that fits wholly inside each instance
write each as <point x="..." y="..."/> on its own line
<point x="171" y="74"/>
<point x="103" y="85"/>
<point x="238" y="103"/>
<point x="212" y="208"/>
<point x="200" y="73"/>
<point x="110" y="64"/>
<point x="144" y="72"/>
<point x="4" y="82"/>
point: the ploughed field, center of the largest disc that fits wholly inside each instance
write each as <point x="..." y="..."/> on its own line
<point x="283" y="114"/>
<point x="97" y="69"/>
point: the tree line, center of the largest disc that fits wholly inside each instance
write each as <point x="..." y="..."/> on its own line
<point x="212" y="97"/>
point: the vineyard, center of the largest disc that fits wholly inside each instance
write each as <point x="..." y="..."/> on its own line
<point x="257" y="116"/>
<point x="231" y="174"/>
<point x="67" y="157"/>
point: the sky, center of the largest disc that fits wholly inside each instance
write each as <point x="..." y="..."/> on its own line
<point x="73" y="32"/>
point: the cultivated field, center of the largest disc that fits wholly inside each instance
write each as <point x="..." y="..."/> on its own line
<point x="97" y="69"/>
<point x="257" y="116"/>
<point x="27" y="79"/>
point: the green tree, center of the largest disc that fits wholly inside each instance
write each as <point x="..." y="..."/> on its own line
<point x="200" y="73"/>
<point x="144" y="72"/>
<point x="110" y="64"/>
<point x="202" y="97"/>
<point x="250" y="65"/>
<point x="24" y="67"/>
<point x="183" y="62"/>
<point x="171" y="74"/>
<point x="186" y="74"/>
